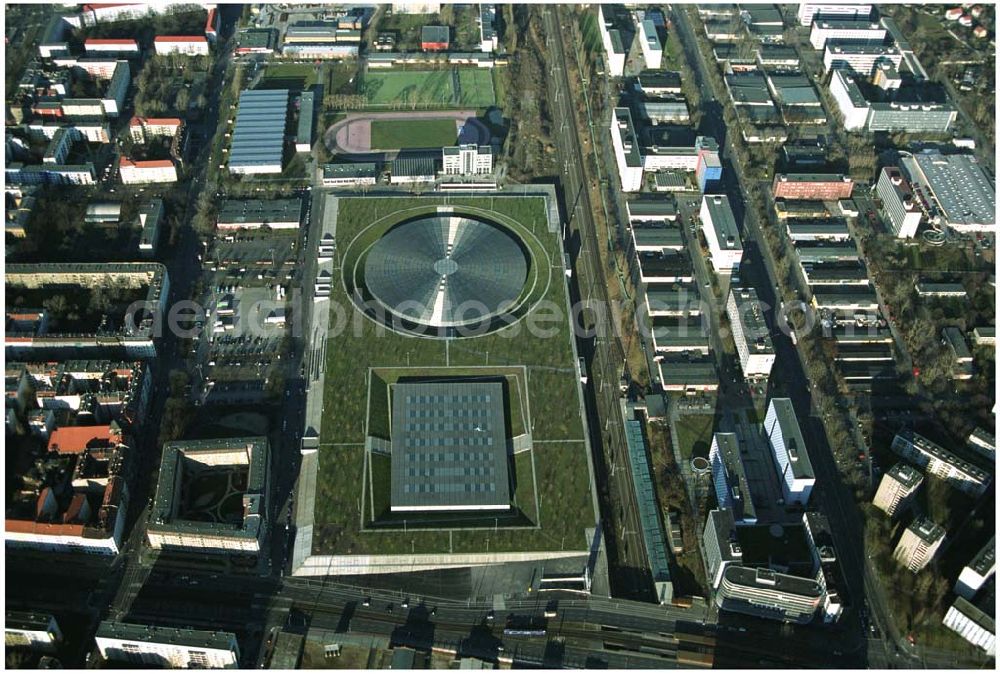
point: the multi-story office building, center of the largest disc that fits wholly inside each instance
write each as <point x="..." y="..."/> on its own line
<point x="898" y="203"/>
<point x="769" y="594"/>
<point x="897" y="488"/>
<point x="972" y="623"/>
<point x="35" y="631"/>
<point x="808" y="11"/>
<point x="722" y="548"/>
<point x="467" y="160"/>
<point x="887" y="77"/>
<point x="171" y="647"/>
<point x="853" y="105"/>
<point x="845" y="30"/>
<point x="979" y="440"/>
<point x="783" y="433"/>
<point x="58" y="148"/>
<point x="919" y="543"/>
<point x="615" y="25"/>
<point x="649" y="42"/>
<point x="626" y="145"/>
<point x="753" y="339"/>
<point x="941" y="463"/>
<point x="911" y="117"/>
<point x="732" y="492"/>
<point x="860" y="58"/>
<point x="828" y="572"/>
<point x="979" y="570"/>
<point x="860" y="113"/>
<point x="721" y="233"/>
<point x="812" y="186"/>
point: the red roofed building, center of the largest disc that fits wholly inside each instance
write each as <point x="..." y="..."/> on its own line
<point x="812" y="186"/>
<point x="144" y="172"/>
<point x="94" y="13"/>
<point x="435" y="38"/>
<point x="109" y="46"/>
<point x="191" y="45"/>
<point x="87" y="514"/>
<point x="76" y="439"/>
<point x="212" y="26"/>
<point x="143" y="128"/>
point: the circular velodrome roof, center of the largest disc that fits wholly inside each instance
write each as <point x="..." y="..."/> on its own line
<point x="446" y="270"/>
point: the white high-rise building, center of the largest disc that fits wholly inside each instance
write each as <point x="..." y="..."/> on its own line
<point x="732" y="491"/>
<point x="850" y="101"/>
<point x="789" y="448"/>
<point x="627" y="154"/>
<point x="616" y="36"/>
<point x="938" y="461"/>
<point x="981" y="442"/>
<point x="979" y="569"/>
<point x="972" y="624"/>
<point x="649" y="41"/>
<point x="753" y="339"/>
<point x="845" y="30"/>
<point x="810" y="10"/>
<point x="898" y="203"/>
<point x="721" y="233"/>
<point x="919" y="544"/>
<point x="897" y="488"/>
<point x="860" y="58"/>
<point x="467" y="160"/>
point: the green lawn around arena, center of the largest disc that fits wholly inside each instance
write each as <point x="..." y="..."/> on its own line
<point x="391" y="134"/>
<point x="558" y="503"/>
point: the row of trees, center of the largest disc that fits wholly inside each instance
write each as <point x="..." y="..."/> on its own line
<point x="527" y="102"/>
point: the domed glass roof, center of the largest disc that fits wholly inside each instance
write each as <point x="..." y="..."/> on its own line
<point x="446" y="270"/>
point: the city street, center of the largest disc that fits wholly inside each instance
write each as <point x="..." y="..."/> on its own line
<point x="834" y="498"/>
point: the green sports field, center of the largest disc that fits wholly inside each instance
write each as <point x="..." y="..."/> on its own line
<point x="454" y="87"/>
<point x="390" y="134"/>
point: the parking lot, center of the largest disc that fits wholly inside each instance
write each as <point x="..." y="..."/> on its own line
<point x="259" y="259"/>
